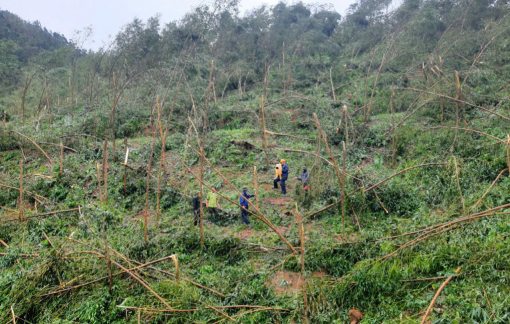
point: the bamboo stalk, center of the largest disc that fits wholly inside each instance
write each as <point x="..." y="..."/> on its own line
<point x="161" y="164"/>
<point x="337" y="169"/>
<point x="4" y="125"/>
<point x="508" y="152"/>
<point x="393" y="143"/>
<point x="402" y="171"/>
<point x="35" y="255"/>
<point x="176" y="262"/>
<point x="35" y="144"/>
<point x="332" y="87"/>
<point x="380" y="202"/>
<point x="48" y="239"/>
<point x="278" y="134"/>
<point x="346" y="129"/>
<point x="145" y="285"/>
<point x="202" y="157"/>
<point x="332" y="205"/>
<point x="366" y="86"/>
<point x="125" y="169"/>
<point x="13" y="316"/>
<point x="3" y="243"/>
<point x="25" y="191"/>
<point x="264" y="131"/>
<point x="61" y="157"/>
<point x="146" y="214"/>
<point x="140" y="266"/>
<point x="71" y="94"/>
<point x="343" y="188"/>
<point x="65" y="147"/>
<point x="302" y="261"/>
<point x="437" y="295"/>
<point x="256" y="185"/>
<point x="153" y="310"/>
<point x="283" y="68"/>
<point x="99" y="183"/>
<point x="471" y="131"/>
<point x="458" y="101"/>
<point x="21" y="207"/>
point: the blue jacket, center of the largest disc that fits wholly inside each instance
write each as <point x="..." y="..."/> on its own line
<point x="243" y="201"/>
<point x="285" y="172"/>
<point x="304" y="178"/>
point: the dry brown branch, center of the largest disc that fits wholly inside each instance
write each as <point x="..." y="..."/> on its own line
<point x="437" y="295"/>
<point x="35" y="144"/>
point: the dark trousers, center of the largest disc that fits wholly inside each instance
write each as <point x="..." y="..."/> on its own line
<point x="282" y="181"/>
<point x="244" y="214"/>
<point x="196" y="215"/>
<point x="213" y="214"/>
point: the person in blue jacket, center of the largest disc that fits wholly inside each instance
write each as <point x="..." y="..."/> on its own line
<point x="284" y="176"/>
<point x="304" y="178"/>
<point x="244" y="204"/>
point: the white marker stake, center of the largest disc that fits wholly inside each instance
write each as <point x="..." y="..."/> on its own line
<point x="127" y="153"/>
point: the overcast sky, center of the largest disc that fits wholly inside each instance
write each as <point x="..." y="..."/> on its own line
<point x="108" y="16"/>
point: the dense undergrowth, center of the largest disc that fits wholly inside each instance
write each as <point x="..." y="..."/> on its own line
<point x="345" y="265"/>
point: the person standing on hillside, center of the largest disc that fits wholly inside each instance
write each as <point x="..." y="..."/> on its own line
<point x="304" y="178"/>
<point x="283" y="177"/>
<point x="196" y="208"/>
<point x="243" y="201"/>
<point x="212" y="205"/>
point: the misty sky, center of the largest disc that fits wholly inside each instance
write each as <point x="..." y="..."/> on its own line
<point x="108" y="16"/>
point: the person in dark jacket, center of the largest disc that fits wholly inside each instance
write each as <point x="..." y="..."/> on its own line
<point x="304" y="178"/>
<point x="244" y="204"/>
<point x="196" y="208"/>
<point x="283" y="177"/>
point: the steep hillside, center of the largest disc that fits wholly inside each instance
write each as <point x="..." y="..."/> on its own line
<point x="399" y="113"/>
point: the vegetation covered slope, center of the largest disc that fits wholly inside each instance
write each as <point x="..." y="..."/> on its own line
<point x="399" y="112"/>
